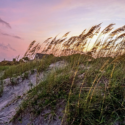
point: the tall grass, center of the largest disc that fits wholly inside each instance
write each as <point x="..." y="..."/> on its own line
<point x="3" y="68"/>
<point x="96" y="99"/>
<point x="40" y="65"/>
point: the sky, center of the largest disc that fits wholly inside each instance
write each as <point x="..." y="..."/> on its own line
<point x="22" y="21"/>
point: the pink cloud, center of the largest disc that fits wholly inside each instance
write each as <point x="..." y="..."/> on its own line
<point x="38" y="20"/>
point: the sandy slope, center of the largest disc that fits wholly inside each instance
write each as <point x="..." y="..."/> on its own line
<point x="13" y="95"/>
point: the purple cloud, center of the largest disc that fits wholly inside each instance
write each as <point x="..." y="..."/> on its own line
<point x="6" y="47"/>
<point x="5" y="34"/>
<point x="5" y="23"/>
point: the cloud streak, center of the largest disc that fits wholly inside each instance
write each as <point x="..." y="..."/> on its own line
<point x="5" y="23"/>
<point x="42" y="19"/>
<point x="5" y="34"/>
<point x="6" y="47"/>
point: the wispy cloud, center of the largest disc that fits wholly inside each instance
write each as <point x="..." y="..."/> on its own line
<point x="5" y="34"/>
<point x="5" y="23"/>
<point x="6" y="47"/>
<point x="17" y="37"/>
<point x="9" y="46"/>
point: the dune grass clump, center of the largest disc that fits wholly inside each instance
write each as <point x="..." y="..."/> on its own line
<point x="40" y="65"/>
<point x="28" y="66"/>
<point x="54" y="90"/>
<point x="3" y="68"/>
<point x="91" y="87"/>
<point x="101" y="98"/>
<point x="97" y="98"/>
<point x="1" y="87"/>
<point x="106" y="107"/>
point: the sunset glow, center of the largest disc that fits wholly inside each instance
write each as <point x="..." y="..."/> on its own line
<point x="22" y="21"/>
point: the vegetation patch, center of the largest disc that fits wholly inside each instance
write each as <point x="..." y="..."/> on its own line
<point x="48" y="94"/>
<point x="98" y="100"/>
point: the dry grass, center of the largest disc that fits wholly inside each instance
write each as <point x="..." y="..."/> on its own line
<point x="99" y="100"/>
<point x="108" y="43"/>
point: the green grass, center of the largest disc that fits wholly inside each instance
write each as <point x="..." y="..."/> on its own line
<point x="40" y="65"/>
<point x="1" y="88"/>
<point x="21" y="68"/>
<point x="48" y="93"/>
<point x="3" y="68"/>
<point x="98" y="100"/>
